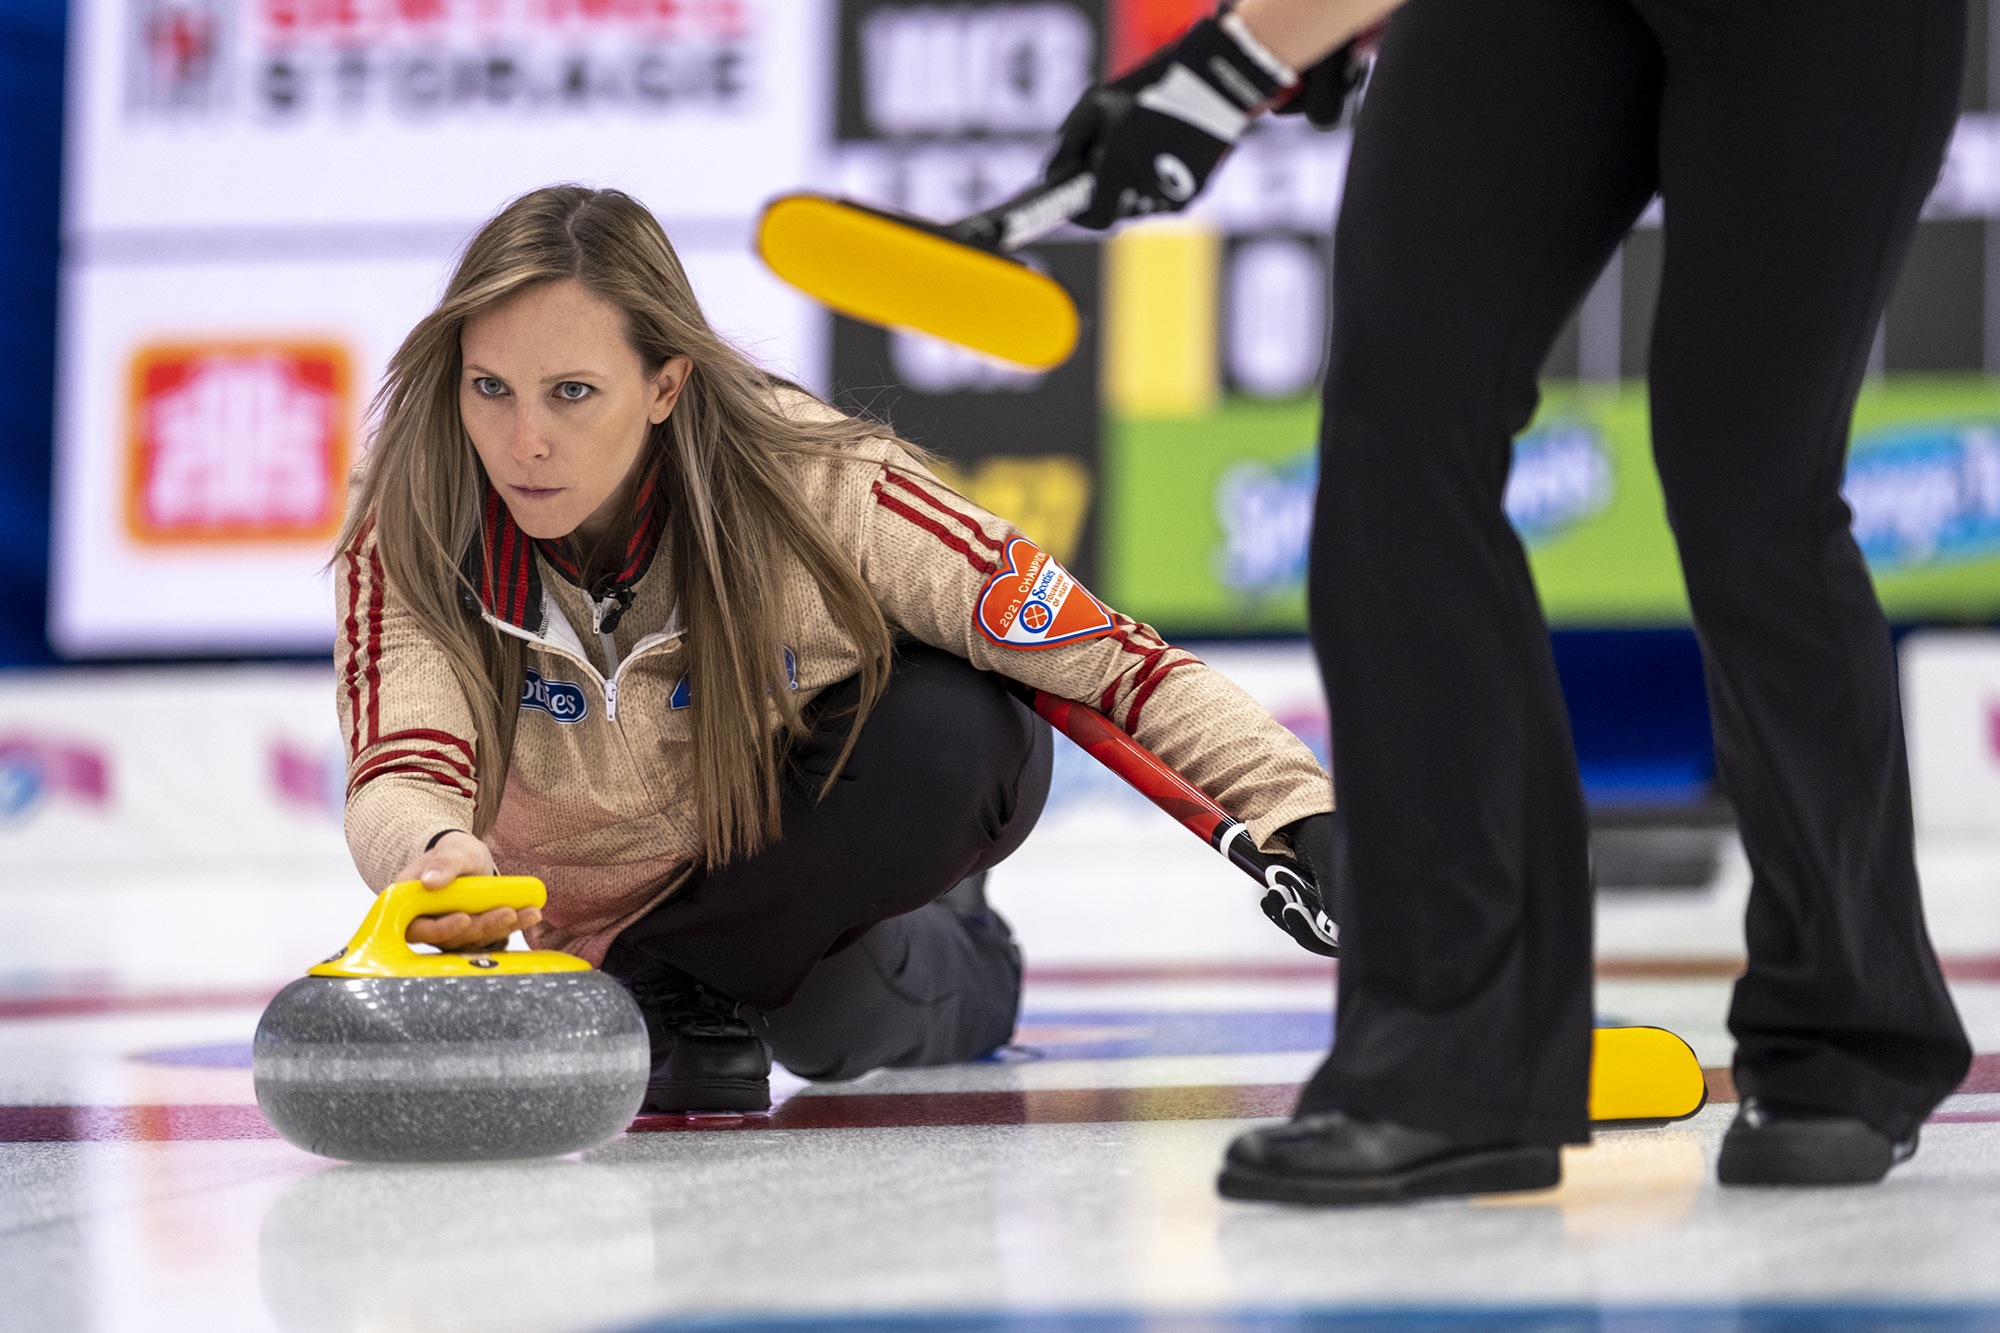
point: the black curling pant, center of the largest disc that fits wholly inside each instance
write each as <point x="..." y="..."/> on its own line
<point x="1504" y="149"/>
<point x="833" y="932"/>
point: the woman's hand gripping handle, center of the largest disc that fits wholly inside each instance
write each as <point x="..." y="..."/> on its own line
<point x="450" y="855"/>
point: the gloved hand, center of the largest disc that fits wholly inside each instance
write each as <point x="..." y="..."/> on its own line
<point x="1153" y="137"/>
<point x="1325" y="89"/>
<point x="1309" y="910"/>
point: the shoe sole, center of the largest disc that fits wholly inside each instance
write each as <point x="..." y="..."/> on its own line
<point x="720" y="1094"/>
<point x="1499" y="1171"/>
<point x="1795" y="1155"/>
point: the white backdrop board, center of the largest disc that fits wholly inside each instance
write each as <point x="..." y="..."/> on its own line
<point x="171" y="769"/>
<point x="1951" y="711"/>
<point x="263" y="195"/>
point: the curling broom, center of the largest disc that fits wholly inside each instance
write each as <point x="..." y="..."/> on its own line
<point x="1638" y="1075"/>
<point x="957" y="282"/>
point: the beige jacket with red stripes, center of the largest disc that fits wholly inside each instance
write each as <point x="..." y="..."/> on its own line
<point x="598" y="796"/>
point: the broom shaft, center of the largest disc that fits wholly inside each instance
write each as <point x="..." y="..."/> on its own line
<point x="1152" y="778"/>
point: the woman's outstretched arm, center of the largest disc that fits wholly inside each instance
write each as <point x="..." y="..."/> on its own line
<point x="962" y="579"/>
<point x="411" y="784"/>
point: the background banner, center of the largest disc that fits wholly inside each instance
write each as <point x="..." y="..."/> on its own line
<point x="943" y="111"/>
<point x="1208" y="515"/>
<point x="263" y="195"/>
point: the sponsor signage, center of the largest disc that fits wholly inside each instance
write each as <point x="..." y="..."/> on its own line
<point x="941" y="110"/>
<point x="1274" y="313"/>
<point x="308" y="779"/>
<point x="39" y="767"/>
<point x="167" y="768"/>
<point x="243" y="442"/>
<point x="1926" y="494"/>
<point x="1024" y="446"/>
<point x="1266" y="513"/>
<point x="1561" y="478"/>
<point x="562" y="700"/>
<point x="262" y="196"/>
<point x="1212" y="516"/>
<point x="228" y="112"/>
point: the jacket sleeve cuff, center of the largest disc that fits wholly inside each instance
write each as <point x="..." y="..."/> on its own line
<point x="1306" y="801"/>
<point x="390" y="821"/>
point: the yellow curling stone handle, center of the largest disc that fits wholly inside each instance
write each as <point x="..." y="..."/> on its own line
<point x="380" y="949"/>
<point x="1643" y="1074"/>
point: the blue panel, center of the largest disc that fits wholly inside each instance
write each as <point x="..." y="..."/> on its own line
<point x="31" y="92"/>
<point x="1084" y="1035"/>
<point x="1125" y="1036"/>
<point x="1639" y="714"/>
<point x="1861" y="1318"/>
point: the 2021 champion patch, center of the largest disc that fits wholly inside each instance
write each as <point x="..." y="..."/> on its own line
<point x="1032" y="602"/>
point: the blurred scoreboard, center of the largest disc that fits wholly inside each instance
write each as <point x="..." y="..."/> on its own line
<point x="263" y="195"/>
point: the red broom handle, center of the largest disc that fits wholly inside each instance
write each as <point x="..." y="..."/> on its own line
<point x="1150" y="776"/>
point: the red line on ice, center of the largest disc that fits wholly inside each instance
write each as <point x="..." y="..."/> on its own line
<point x="1051" y="1106"/>
<point x="130" y="1124"/>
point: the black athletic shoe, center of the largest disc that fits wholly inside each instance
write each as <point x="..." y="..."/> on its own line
<point x="1330" y="1157"/>
<point x="706" y="1058"/>
<point x="1779" y="1144"/>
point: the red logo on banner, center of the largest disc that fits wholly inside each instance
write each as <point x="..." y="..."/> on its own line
<point x="238" y="442"/>
<point x="37" y="769"/>
<point x="1032" y="602"/>
<point x="308" y="778"/>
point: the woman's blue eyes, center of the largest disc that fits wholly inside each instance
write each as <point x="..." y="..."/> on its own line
<point x="570" y="391"/>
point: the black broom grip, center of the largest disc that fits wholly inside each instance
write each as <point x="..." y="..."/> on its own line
<point x="1029" y="215"/>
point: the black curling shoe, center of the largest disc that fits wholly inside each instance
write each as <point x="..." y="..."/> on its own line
<point x="1330" y="1158"/>
<point x="1778" y="1144"/>
<point x="706" y="1058"/>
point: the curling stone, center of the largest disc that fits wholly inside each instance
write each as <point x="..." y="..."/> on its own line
<point x="384" y="1054"/>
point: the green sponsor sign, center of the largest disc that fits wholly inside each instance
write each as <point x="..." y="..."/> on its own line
<point x="1207" y="519"/>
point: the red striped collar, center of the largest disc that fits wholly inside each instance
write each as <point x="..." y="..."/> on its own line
<point x="510" y="586"/>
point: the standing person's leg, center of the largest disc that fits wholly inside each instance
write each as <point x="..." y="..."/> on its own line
<point x="947" y="778"/>
<point x="1503" y="151"/>
<point x="1798" y="140"/>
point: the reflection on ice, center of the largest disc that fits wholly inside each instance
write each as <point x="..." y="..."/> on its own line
<point x="507" y="1245"/>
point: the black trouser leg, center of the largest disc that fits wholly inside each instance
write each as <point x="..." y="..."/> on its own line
<point x="946" y="779"/>
<point x="1798" y="139"/>
<point x="1504" y="149"/>
<point x="925" y="988"/>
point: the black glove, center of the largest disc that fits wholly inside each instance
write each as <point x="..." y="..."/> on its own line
<point x="1307" y="907"/>
<point x="1153" y="137"/>
<point x="1325" y="89"/>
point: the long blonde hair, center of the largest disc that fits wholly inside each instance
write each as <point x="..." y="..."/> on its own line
<point x="733" y="506"/>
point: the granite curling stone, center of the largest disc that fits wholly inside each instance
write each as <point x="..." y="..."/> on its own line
<point x="384" y="1054"/>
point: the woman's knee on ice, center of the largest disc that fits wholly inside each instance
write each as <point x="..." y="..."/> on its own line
<point x="924" y="988"/>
